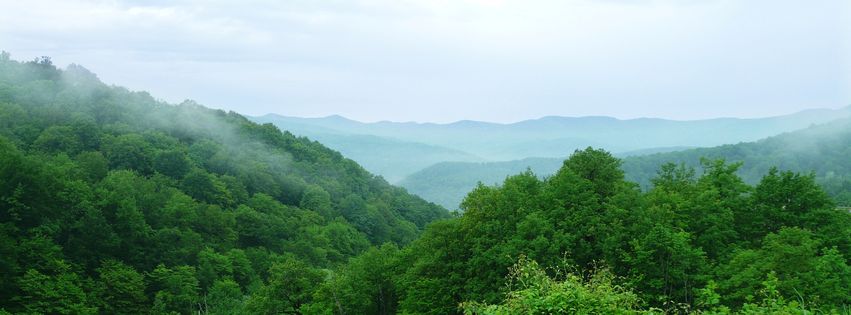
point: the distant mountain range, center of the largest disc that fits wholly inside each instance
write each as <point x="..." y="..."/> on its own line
<point x="396" y="150"/>
<point x="822" y="149"/>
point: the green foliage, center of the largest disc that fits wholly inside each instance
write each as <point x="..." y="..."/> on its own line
<point x="684" y="246"/>
<point x="532" y="291"/>
<point x="176" y="289"/>
<point x="121" y="289"/>
<point x="364" y="286"/>
<point x="289" y="288"/>
<point x="795" y="257"/>
<point x="173" y="163"/>
<point x="60" y="292"/>
<point x="665" y="265"/>
<point x="225" y="298"/>
<point x="819" y="151"/>
<point x="436" y="271"/>
<point x="212" y="267"/>
<point x="114" y="202"/>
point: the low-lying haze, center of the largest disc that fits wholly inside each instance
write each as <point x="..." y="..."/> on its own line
<point x="441" y="61"/>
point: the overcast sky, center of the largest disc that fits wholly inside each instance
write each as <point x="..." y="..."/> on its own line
<point x="446" y="60"/>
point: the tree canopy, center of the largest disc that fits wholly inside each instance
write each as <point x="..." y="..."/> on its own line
<point x="113" y="202"/>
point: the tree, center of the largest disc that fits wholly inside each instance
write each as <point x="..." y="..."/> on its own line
<point x="121" y="290"/>
<point x="599" y="167"/>
<point x="434" y="282"/>
<point x="58" y="139"/>
<point x="783" y="199"/>
<point x="206" y="187"/>
<point x="364" y="286"/>
<point x="172" y="163"/>
<point x="532" y="291"/>
<point x="720" y="199"/>
<point x="664" y="265"/>
<point x="317" y="199"/>
<point x="93" y="164"/>
<point x="212" y="267"/>
<point x="224" y="298"/>
<point x="176" y="289"/>
<point x="58" y="293"/>
<point x="290" y="286"/>
<point x="793" y="256"/>
<point x="344" y="239"/>
<point x="129" y="151"/>
<point x="243" y="270"/>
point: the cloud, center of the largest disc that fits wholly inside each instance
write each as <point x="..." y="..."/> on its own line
<point x="443" y="60"/>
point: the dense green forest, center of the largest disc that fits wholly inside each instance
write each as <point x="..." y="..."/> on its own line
<point x="586" y="240"/>
<point x="112" y="202"/>
<point x="115" y="202"/>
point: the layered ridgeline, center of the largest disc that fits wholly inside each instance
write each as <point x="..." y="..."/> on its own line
<point x="447" y="183"/>
<point x="392" y="159"/>
<point x="823" y="149"/>
<point x="113" y="202"/>
<point x="409" y="147"/>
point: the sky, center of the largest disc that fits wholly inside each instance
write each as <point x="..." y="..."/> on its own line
<point x="449" y="60"/>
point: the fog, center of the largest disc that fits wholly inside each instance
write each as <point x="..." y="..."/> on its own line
<point x="442" y="61"/>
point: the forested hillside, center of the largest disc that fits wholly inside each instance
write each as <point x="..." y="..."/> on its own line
<point x="586" y="241"/>
<point x="822" y="149"/>
<point x="447" y="183"/>
<point x="114" y="202"/>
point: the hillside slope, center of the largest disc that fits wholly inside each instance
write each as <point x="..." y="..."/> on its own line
<point x="448" y="183"/>
<point x="392" y="158"/>
<point x="101" y="187"/>
<point x="823" y="149"/>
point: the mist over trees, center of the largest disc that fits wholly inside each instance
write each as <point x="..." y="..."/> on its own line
<point x="113" y="202"/>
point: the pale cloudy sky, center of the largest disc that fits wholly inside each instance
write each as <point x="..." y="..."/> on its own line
<point x="446" y="60"/>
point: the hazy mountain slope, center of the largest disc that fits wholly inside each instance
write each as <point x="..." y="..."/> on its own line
<point x="391" y="158"/>
<point x="447" y="183"/>
<point x="559" y="136"/>
<point x="651" y="151"/>
<point x="823" y="148"/>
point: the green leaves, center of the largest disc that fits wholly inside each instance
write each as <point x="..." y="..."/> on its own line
<point x="59" y="292"/>
<point x="176" y="289"/>
<point x="290" y="286"/>
<point x="121" y="289"/>
<point x="533" y="291"/>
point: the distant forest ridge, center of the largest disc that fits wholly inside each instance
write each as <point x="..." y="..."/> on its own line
<point x="407" y="148"/>
<point x="822" y="149"/>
